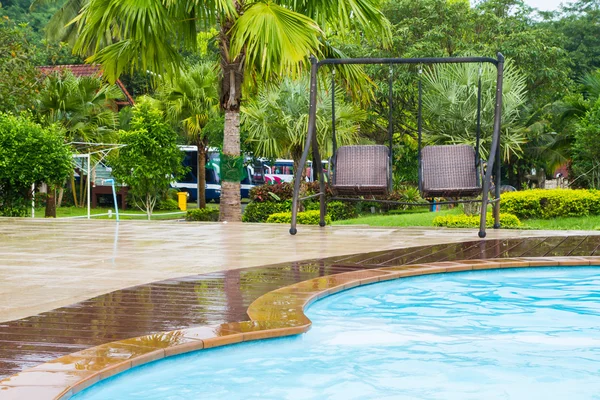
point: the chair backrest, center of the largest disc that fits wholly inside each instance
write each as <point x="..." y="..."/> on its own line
<point x="448" y="167"/>
<point x="362" y="166"/>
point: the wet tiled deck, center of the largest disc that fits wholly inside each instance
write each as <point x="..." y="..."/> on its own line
<point x="224" y="296"/>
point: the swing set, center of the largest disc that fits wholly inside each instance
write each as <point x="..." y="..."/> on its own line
<point x="449" y="171"/>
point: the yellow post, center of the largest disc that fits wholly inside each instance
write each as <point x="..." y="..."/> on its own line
<point x="182" y="200"/>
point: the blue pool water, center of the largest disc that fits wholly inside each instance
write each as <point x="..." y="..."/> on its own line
<point x="501" y="334"/>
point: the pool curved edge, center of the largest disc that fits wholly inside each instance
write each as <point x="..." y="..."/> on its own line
<point x="278" y="313"/>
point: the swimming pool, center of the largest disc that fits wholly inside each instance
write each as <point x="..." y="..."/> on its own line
<point x="527" y="333"/>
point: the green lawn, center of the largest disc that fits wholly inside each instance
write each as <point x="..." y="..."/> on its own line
<point x="591" y="222"/>
<point x="413" y="219"/>
<point x="588" y="223"/>
<point x="139" y="215"/>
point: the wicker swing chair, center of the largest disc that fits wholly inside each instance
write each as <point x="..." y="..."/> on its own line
<point x="452" y="171"/>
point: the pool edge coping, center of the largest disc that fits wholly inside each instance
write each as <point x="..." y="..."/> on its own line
<point x="277" y="313"/>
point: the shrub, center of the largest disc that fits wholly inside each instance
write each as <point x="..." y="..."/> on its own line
<point x="338" y="210"/>
<point x="202" y="214"/>
<point x="259" y="211"/>
<point x="29" y="153"/>
<point x="304" y="218"/>
<point x="171" y="194"/>
<point x="167" y="205"/>
<point x="272" y="193"/>
<point x="546" y="204"/>
<point x="472" y="221"/>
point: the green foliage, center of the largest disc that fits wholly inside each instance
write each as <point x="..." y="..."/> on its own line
<point x="311" y="217"/>
<point x="578" y="23"/>
<point x="276" y="192"/>
<point x="19" y="75"/>
<point x="29" y="153"/>
<point x="450" y="106"/>
<point x="167" y="205"/>
<point x="586" y="152"/>
<point x="259" y="211"/>
<point x="277" y="120"/>
<point x="275" y="37"/>
<point x="202" y="214"/>
<point x="151" y="160"/>
<point x="338" y="210"/>
<point x="472" y="221"/>
<point x="84" y="106"/>
<point x="554" y="203"/>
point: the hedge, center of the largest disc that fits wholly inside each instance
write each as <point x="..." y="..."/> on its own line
<point x="304" y="218"/>
<point x="472" y="221"/>
<point x="272" y="192"/>
<point x="547" y="204"/>
<point x="202" y="214"/>
<point x="260" y="211"/>
<point x="337" y="210"/>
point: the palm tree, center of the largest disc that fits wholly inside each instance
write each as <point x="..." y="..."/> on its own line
<point x="277" y="120"/>
<point x="190" y="101"/>
<point x="85" y="107"/>
<point x="257" y="39"/>
<point x="450" y="106"/>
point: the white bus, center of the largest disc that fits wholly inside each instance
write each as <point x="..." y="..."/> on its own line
<point x="213" y="178"/>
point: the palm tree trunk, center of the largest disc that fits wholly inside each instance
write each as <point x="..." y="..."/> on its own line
<point x="231" y="201"/>
<point x="231" y="95"/>
<point x="201" y="164"/>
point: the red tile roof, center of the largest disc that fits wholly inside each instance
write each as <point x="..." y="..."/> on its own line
<point x="86" y="70"/>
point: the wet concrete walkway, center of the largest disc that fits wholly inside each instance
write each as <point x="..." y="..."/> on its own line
<point x="70" y="283"/>
<point x="45" y="264"/>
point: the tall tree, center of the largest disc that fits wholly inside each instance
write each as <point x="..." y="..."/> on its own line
<point x="29" y="154"/>
<point x="191" y="101"/>
<point x="257" y="39"/>
<point x="19" y="75"/>
<point x="150" y="160"/>
<point x="84" y="106"/>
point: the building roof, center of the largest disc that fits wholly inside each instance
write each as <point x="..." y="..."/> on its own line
<point x="87" y="70"/>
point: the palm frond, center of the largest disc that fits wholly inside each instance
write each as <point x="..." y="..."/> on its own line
<point x="275" y="39"/>
<point x="450" y="106"/>
<point x="345" y="16"/>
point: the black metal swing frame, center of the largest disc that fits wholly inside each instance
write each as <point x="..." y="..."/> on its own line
<point x="493" y="162"/>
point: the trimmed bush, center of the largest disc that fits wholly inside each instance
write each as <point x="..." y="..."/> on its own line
<point x="304" y="218"/>
<point x="272" y="193"/>
<point x="547" y="204"/>
<point x="472" y="221"/>
<point x="202" y="214"/>
<point x="167" y="205"/>
<point x="260" y="211"/>
<point x="338" y="211"/>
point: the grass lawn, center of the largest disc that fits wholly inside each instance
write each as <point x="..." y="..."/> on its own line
<point x="591" y="222"/>
<point x="413" y="219"/>
<point x="139" y="215"/>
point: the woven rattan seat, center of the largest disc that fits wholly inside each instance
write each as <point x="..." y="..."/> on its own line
<point x="449" y="171"/>
<point x="361" y="170"/>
